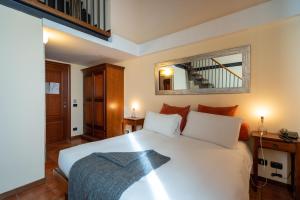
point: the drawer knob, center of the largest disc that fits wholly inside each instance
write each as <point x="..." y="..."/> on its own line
<point x="275" y="146"/>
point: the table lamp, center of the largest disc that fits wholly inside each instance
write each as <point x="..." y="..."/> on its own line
<point x="262" y="114"/>
<point x="134" y="107"/>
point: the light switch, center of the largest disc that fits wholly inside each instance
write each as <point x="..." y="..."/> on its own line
<point x="74" y="103"/>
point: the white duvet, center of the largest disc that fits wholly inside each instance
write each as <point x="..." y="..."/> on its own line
<point x="197" y="169"/>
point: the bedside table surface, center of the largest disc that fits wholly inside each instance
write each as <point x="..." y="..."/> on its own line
<point x="271" y="136"/>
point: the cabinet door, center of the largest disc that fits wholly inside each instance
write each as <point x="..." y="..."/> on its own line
<point x="99" y="103"/>
<point x="88" y="90"/>
<point x="114" y="101"/>
<point x="99" y="85"/>
<point x="88" y="113"/>
<point x="88" y="86"/>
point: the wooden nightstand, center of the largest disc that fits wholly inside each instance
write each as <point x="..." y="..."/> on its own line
<point x="272" y="141"/>
<point x="133" y="122"/>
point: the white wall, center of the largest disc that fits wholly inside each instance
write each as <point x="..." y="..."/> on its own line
<point x="275" y="82"/>
<point x="22" y="97"/>
<point x="274" y="74"/>
<point x="77" y="93"/>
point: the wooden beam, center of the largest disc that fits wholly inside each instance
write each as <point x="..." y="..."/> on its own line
<point x="57" y="13"/>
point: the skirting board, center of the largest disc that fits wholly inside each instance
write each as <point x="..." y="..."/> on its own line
<point x="22" y="188"/>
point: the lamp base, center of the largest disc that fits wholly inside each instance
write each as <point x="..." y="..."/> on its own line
<point x="262" y="130"/>
<point x="133" y="114"/>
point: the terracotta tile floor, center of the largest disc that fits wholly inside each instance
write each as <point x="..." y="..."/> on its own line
<point x="53" y="189"/>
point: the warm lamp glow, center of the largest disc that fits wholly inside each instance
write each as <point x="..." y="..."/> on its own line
<point x="262" y="112"/>
<point x="135" y="106"/>
<point x="166" y="71"/>
<point x="45" y="37"/>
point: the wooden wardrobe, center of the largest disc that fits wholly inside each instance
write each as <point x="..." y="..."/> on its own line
<point x="103" y="101"/>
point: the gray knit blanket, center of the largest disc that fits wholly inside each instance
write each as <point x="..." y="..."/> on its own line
<point x="107" y="175"/>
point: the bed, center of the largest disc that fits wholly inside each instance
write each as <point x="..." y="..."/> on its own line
<point x="197" y="169"/>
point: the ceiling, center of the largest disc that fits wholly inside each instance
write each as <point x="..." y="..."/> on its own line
<point x="70" y="49"/>
<point x="138" y="21"/>
<point x="144" y="20"/>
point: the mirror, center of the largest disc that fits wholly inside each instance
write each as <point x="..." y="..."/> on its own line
<point x="225" y="71"/>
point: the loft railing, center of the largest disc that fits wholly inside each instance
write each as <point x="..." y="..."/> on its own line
<point x="209" y="73"/>
<point x="89" y="14"/>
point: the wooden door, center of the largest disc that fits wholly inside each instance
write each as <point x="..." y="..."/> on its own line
<point x="57" y="102"/>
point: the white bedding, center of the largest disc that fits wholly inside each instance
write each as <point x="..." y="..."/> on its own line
<point x="197" y="169"/>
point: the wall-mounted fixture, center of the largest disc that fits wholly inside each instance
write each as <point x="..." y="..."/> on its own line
<point x="166" y="71"/>
<point x="75" y="103"/>
<point x="45" y="37"/>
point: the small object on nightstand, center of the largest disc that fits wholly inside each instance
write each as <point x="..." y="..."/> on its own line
<point x="288" y="136"/>
<point x="273" y="141"/>
<point x="133" y="122"/>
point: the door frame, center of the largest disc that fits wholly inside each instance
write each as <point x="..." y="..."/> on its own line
<point x="68" y="110"/>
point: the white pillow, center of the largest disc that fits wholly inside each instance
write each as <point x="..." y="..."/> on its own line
<point x="161" y="123"/>
<point x="217" y="129"/>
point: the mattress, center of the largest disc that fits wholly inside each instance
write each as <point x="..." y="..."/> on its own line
<point x="197" y="169"/>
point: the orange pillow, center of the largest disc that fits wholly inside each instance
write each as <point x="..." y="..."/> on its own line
<point x="244" y="132"/>
<point x="182" y="111"/>
<point x="227" y="111"/>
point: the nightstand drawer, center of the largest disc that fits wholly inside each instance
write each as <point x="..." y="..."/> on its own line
<point x="281" y="146"/>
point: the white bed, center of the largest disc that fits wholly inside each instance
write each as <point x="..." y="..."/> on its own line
<point x="197" y="169"/>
